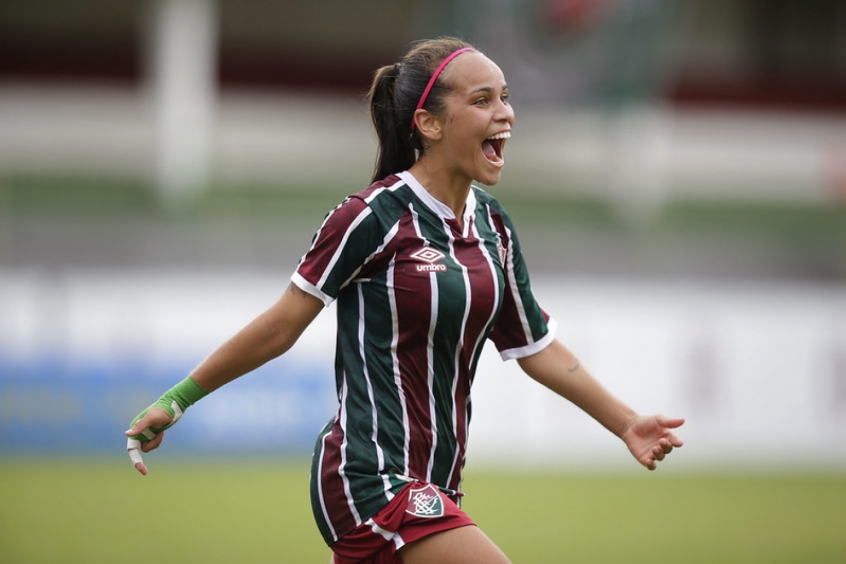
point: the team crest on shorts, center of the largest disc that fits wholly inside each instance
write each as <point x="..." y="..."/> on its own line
<point x="425" y="502"/>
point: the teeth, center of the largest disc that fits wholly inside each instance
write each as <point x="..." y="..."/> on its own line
<point x="503" y="135"/>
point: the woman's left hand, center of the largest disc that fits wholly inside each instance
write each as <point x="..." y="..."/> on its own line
<point x="650" y="439"/>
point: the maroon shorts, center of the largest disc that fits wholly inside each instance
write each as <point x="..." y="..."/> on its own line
<point x="417" y="511"/>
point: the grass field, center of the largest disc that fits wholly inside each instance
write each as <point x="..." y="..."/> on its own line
<point x="60" y="510"/>
<point x="101" y="511"/>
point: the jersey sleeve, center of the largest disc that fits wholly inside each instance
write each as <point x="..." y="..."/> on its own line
<point x="339" y="249"/>
<point x="523" y="327"/>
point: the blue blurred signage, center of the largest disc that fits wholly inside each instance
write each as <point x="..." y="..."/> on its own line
<point x="51" y="405"/>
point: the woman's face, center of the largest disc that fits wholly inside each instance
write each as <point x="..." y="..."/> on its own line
<point x="478" y="118"/>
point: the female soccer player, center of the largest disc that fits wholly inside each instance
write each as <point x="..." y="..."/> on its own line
<point x="424" y="267"/>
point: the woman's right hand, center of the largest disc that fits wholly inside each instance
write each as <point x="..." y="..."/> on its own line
<point x="146" y="434"/>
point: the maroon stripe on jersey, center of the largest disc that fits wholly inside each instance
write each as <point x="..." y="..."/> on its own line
<point x="482" y="293"/>
<point x="331" y="232"/>
<point x="334" y="496"/>
<point x="510" y="329"/>
<point x="413" y="296"/>
<point x="319" y="257"/>
<point x="462" y="397"/>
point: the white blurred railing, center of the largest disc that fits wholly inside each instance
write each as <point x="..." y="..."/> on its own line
<point x="641" y="158"/>
<point x="758" y="370"/>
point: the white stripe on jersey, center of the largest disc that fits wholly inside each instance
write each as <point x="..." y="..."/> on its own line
<point x="322" y="226"/>
<point x="385" y="240"/>
<point x="515" y="289"/>
<point x="392" y="299"/>
<point x="389" y="236"/>
<point x="468" y="300"/>
<point x="342" y="246"/>
<point x="480" y="342"/>
<point x="344" y="445"/>
<point x="430" y="348"/>
<point x="380" y="455"/>
<point x="326" y="518"/>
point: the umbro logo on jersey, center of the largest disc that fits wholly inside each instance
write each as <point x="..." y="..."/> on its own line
<point x="429" y="256"/>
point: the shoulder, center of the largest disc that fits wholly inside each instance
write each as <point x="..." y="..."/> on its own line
<point x="486" y="203"/>
<point x="387" y="197"/>
<point x="362" y="200"/>
<point x="390" y="187"/>
<point x="374" y="207"/>
<point x="485" y="198"/>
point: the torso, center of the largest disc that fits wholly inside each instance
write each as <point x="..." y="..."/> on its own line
<point x="417" y="295"/>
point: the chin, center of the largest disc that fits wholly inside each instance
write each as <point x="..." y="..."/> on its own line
<point x="490" y="179"/>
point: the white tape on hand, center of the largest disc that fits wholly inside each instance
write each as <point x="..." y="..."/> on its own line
<point x="133" y="446"/>
<point x="177" y="413"/>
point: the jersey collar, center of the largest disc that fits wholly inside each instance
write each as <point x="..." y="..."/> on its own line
<point x="440" y="208"/>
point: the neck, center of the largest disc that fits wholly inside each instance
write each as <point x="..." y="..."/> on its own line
<point x="443" y="186"/>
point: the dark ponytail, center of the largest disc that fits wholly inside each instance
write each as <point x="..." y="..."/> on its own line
<point x="393" y="98"/>
<point x="396" y="152"/>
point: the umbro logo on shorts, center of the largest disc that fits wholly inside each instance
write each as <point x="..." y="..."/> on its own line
<point x="429" y="256"/>
<point x="425" y="502"/>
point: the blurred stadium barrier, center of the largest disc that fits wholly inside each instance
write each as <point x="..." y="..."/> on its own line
<point x="759" y="371"/>
<point x="644" y="156"/>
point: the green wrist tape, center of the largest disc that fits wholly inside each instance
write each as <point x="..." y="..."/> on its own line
<point x="185" y="394"/>
<point x="175" y="401"/>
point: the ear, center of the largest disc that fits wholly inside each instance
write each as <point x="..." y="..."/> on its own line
<point x="428" y="125"/>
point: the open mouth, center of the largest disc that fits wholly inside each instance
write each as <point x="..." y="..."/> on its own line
<point x="492" y="147"/>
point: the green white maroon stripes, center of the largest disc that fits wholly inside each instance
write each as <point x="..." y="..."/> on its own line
<point x="417" y="295"/>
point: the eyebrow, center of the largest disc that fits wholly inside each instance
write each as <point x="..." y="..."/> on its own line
<point x="487" y="89"/>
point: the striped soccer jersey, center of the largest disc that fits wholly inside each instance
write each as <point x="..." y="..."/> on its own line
<point x="417" y="295"/>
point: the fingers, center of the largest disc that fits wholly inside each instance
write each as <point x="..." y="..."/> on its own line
<point x="145" y="433"/>
<point x="154" y="419"/>
<point x="674" y="440"/>
<point x="143" y="436"/>
<point x="658" y="452"/>
<point x="670" y="422"/>
<point x="133" y="447"/>
<point x="152" y="444"/>
<point x="142" y="427"/>
<point x="662" y="449"/>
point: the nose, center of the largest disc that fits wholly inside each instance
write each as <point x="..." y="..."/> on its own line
<point x="505" y="112"/>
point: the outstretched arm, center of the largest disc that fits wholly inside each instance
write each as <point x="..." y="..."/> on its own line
<point x="648" y="437"/>
<point x="266" y="337"/>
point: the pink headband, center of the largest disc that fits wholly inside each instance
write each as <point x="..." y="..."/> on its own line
<point x="432" y="80"/>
